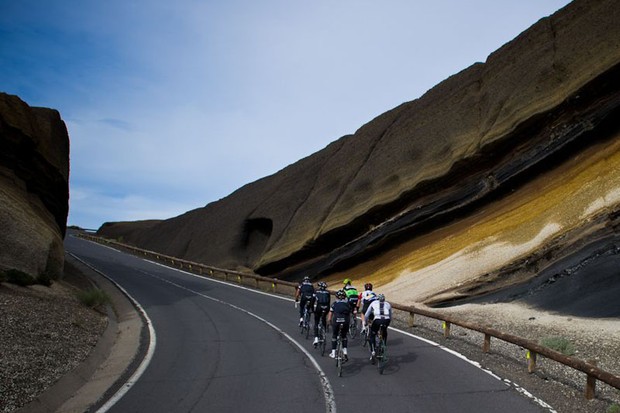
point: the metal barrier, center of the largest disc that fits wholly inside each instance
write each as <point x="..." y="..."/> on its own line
<point x="593" y="373"/>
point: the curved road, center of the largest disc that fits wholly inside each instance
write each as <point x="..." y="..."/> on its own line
<point x="219" y="347"/>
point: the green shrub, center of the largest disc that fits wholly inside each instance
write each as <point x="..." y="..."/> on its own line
<point x="614" y="408"/>
<point x="20" y="278"/>
<point x="93" y="297"/>
<point x="560" y="344"/>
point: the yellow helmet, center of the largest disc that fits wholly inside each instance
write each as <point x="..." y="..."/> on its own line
<point x="347" y="281"/>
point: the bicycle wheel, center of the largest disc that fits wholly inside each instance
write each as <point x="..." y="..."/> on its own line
<point x="364" y="336"/>
<point x="339" y="357"/>
<point x="322" y="339"/>
<point x="353" y="328"/>
<point x="307" y="323"/>
<point x="382" y="356"/>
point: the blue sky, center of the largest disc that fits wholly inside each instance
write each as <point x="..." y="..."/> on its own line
<point x="171" y="105"/>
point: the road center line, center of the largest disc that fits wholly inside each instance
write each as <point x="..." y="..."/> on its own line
<point x="328" y="392"/>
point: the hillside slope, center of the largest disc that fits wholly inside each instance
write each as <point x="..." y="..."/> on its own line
<point x="439" y="197"/>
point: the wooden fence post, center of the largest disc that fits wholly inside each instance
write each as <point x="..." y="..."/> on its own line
<point x="486" y="347"/>
<point x="411" y="319"/>
<point x="591" y="384"/>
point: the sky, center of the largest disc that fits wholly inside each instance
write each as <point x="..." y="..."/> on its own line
<point x="171" y="105"/>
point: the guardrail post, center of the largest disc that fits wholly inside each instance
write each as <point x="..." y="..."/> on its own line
<point x="256" y="283"/>
<point x="591" y="384"/>
<point x="446" y="329"/>
<point x="531" y="361"/>
<point x="411" y="319"/>
<point x="274" y="286"/>
<point x="239" y="279"/>
<point x="486" y="347"/>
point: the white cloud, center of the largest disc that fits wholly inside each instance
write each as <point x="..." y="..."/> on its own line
<point x="197" y="98"/>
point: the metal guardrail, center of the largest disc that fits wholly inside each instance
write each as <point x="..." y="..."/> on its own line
<point x="593" y="373"/>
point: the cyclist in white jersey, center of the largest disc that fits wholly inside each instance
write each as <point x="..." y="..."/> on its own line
<point x="365" y="298"/>
<point x="381" y="313"/>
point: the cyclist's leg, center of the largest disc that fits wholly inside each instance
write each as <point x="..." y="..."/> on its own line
<point x="334" y="335"/>
<point x="374" y="328"/>
<point x="302" y="306"/>
<point x="385" y="326"/>
<point x="317" y="320"/>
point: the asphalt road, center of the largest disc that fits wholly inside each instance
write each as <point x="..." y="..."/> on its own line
<point x="218" y="347"/>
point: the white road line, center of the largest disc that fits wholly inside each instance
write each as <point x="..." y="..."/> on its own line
<point x="149" y="352"/>
<point x="323" y="377"/>
<point x="328" y="392"/>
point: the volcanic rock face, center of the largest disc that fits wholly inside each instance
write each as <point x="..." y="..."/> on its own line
<point x="450" y="192"/>
<point x="34" y="188"/>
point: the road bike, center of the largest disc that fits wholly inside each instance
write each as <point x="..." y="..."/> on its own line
<point x="353" y="326"/>
<point x="364" y="336"/>
<point x="381" y="350"/>
<point x="340" y="357"/>
<point x="305" y="322"/>
<point x="322" y="334"/>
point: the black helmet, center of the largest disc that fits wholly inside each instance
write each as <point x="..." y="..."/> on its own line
<point x="322" y="285"/>
<point x="368" y="286"/>
<point x="306" y="278"/>
<point x="341" y="294"/>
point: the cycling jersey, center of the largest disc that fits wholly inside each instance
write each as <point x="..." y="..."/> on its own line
<point x="341" y="312"/>
<point x="322" y="298"/>
<point x="365" y="298"/>
<point x="380" y="310"/>
<point x="306" y="289"/>
<point x="351" y="293"/>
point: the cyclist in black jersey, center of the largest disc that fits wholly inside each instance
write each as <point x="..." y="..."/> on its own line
<point x="304" y="294"/>
<point x="339" y="317"/>
<point x="322" y="301"/>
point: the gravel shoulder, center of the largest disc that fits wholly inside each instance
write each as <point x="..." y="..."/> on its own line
<point x="561" y="387"/>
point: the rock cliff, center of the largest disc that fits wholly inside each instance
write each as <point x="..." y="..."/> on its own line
<point x="492" y="176"/>
<point x="34" y="188"/>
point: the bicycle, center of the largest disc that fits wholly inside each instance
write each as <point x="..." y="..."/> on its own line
<point x="364" y="336"/>
<point x="340" y="357"/>
<point x="322" y="336"/>
<point x="381" y="353"/>
<point x="353" y="326"/>
<point x="305" y="324"/>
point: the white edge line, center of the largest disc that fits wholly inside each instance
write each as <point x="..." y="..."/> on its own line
<point x="330" y="402"/>
<point x="453" y="352"/>
<point x="323" y="377"/>
<point x="149" y="353"/>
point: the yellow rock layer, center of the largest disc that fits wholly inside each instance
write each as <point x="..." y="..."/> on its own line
<point x="499" y="233"/>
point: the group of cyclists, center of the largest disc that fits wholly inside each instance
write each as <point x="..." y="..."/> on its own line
<point x="375" y="314"/>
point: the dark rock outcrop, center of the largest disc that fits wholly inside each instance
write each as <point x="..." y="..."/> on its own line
<point x="539" y="101"/>
<point x="34" y="188"/>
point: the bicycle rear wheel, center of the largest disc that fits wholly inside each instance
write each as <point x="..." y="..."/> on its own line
<point x="381" y="354"/>
<point x="322" y="339"/>
<point x="353" y="327"/>
<point x="339" y="357"/>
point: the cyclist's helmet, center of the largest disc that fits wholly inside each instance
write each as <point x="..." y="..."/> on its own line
<point x="340" y="294"/>
<point x="381" y="297"/>
<point x="306" y="278"/>
<point x="347" y="281"/>
<point x="322" y="285"/>
<point x="368" y="286"/>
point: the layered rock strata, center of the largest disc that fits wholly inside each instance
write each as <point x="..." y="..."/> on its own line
<point x="34" y="188"/>
<point x="427" y="166"/>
